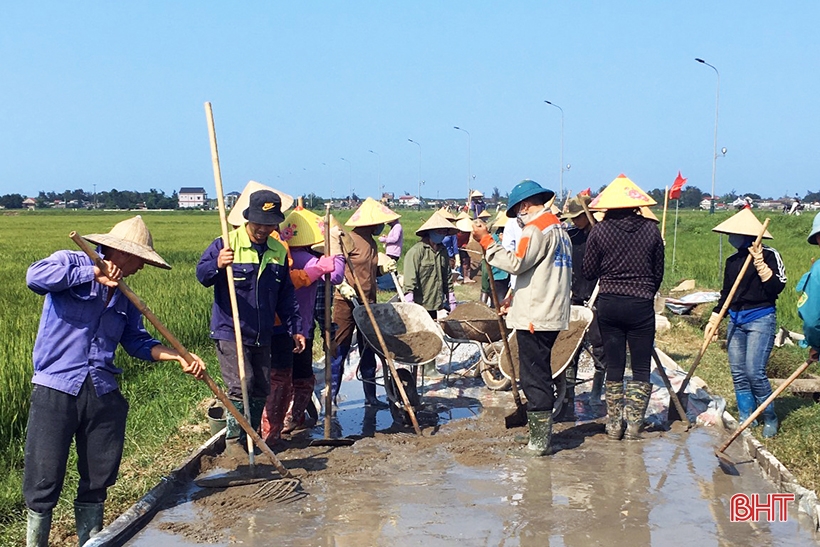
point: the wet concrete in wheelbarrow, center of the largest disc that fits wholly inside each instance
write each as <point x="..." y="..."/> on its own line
<point x="466" y="481"/>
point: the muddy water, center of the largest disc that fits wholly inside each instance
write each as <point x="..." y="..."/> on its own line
<point x="466" y="482"/>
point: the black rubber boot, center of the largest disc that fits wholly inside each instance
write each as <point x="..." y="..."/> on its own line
<point x="89" y="520"/>
<point x="39" y="526"/>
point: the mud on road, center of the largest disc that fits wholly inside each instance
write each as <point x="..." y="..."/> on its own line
<point x="466" y="481"/>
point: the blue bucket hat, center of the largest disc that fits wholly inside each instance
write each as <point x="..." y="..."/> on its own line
<point x="815" y="229"/>
<point x="523" y="190"/>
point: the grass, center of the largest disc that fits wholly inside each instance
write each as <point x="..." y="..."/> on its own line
<point x="167" y="416"/>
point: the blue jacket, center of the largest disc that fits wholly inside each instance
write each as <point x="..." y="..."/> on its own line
<point x="808" y="305"/>
<point x="263" y="289"/>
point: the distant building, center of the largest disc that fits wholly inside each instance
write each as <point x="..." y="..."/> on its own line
<point x="408" y="201"/>
<point x="190" y="198"/>
<point x="230" y="199"/>
<point x="29" y="203"/>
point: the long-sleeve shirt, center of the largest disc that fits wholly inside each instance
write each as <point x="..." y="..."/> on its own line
<point x="306" y="296"/>
<point x="752" y="292"/>
<point x="451" y="244"/>
<point x="626" y="254"/>
<point x="263" y="289"/>
<point x="393" y="241"/>
<point x="79" y="332"/>
<point x="581" y="286"/>
<point x="808" y="305"/>
<point x="512" y="233"/>
<point x="427" y="275"/>
<point x="364" y="258"/>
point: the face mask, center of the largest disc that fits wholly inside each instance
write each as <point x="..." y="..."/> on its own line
<point x="739" y="241"/>
<point x="378" y="229"/>
<point x="436" y="238"/>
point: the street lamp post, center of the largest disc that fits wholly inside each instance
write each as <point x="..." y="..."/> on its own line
<point x="420" y="181"/>
<point x="561" y="164"/>
<point x="715" y="150"/>
<point x="349" y="182"/>
<point x="469" y="170"/>
<point x="380" y="173"/>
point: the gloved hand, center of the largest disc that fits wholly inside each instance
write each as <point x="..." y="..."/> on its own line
<point x="387" y="267"/>
<point x="408" y="297"/>
<point x="336" y="241"/>
<point x="710" y="333"/>
<point x="324" y="265"/>
<point x="452" y="301"/>
<point x="347" y="292"/>
<point x="383" y="239"/>
<point x="763" y="270"/>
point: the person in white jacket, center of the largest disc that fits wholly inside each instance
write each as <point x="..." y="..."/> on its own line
<point x="539" y="307"/>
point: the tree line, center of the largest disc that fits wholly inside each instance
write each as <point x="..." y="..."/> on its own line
<point x="108" y="199"/>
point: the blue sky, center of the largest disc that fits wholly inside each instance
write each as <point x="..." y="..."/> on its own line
<point x="112" y="94"/>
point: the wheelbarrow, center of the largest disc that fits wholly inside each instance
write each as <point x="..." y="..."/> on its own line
<point x="564" y="351"/>
<point x="412" y="337"/>
<point x="475" y="323"/>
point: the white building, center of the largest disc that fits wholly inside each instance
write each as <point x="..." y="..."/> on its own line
<point x="190" y="198"/>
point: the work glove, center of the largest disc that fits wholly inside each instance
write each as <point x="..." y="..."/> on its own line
<point x="408" y="297"/>
<point x="336" y="241"/>
<point x="347" y="292"/>
<point x="387" y="267"/>
<point x="324" y="265"/>
<point x="763" y="270"/>
<point x="452" y="301"/>
<point x="711" y="331"/>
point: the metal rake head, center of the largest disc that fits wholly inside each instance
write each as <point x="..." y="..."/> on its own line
<point x="277" y="490"/>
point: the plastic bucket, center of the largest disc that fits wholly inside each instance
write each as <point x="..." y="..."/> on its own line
<point x="216" y="419"/>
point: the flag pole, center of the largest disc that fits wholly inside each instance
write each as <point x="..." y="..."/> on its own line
<point x="665" y="206"/>
<point x="675" y="238"/>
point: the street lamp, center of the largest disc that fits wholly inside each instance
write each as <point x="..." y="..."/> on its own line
<point x="420" y="181"/>
<point x="468" y="161"/>
<point x="349" y="181"/>
<point x="561" y="164"/>
<point x="380" y="172"/>
<point x="715" y="155"/>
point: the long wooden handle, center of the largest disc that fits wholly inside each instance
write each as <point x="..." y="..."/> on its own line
<point x="759" y="410"/>
<point x="237" y="328"/>
<point x="504" y="333"/>
<point x="177" y="345"/>
<point x="709" y="331"/>
<point x="328" y="341"/>
<point x="590" y="218"/>
<point x="673" y="397"/>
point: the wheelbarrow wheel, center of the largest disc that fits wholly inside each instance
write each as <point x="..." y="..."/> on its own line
<point x="490" y="372"/>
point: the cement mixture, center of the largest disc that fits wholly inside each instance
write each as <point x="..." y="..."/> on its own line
<point x="466" y="482"/>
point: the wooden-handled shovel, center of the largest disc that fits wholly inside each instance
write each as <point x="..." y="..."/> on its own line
<point x="673" y="412"/>
<point x="177" y="345"/>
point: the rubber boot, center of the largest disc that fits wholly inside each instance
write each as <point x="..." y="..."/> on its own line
<point x="276" y="406"/>
<point x="337" y="369"/>
<point x="232" y="426"/>
<point x="745" y="405"/>
<point x="567" y="413"/>
<point x="770" y="422"/>
<point x="302" y="395"/>
<point x="636" y="399"/>
<point x="39" y="526"/>
<point x="540" y="426"/>
<point x="89" y="520"/>
<point x="597" y="389"/>
<point x="615" y="410"/>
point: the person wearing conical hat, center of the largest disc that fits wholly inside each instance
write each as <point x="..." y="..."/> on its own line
<point x="367" y="222"/>
<point x="476" y="204"/>
<point x="625" y="253"/>
<point x="289" y="397"/>
<point x="465" y="226"/>
<point x="582" y="289"/>
<point x="752" y="314"/>
<point x="75" y="390"/>
<point x="427" y="279"/>
<point x="484" y="215"/>
<point x="540" y="302"/>
<point x="264" y="292"/>
<point x="445" y="212"/>
<point x="394" y="240"/>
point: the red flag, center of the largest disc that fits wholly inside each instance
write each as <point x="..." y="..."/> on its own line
<point x="674" y="192"/>
<point x="585" y="192"/>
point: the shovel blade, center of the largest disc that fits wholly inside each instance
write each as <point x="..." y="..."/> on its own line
<point x="344" y="441"/>
<point x="516" y="419"/>
<point x="673" y="415"/>
<point x="726" y="464"/>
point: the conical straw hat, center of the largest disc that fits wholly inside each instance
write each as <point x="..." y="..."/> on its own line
<point x="235" y="217"/>
<point x="500" y="220"/>
<point x="646" y="212"/>
<point x="476" y="194"/>
<point x="484" y="214"/>
<point x="465" y="224"/>
<point x="622" y="193"/>
<point x="437" y="222"/>
<point x="371" y="213"/>
<point x="131" y="236"/>
<point x="464" y="214"/>
<point x="447" y="214"/>
<point x="744" y="223"/>
<point x="302" y="228"/>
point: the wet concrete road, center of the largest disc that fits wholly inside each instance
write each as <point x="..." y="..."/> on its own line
<point x="665" y="490"/>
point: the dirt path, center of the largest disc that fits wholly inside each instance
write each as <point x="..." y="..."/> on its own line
<point x="466" y="482"/>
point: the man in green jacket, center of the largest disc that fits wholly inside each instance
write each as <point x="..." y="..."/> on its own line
<point x="427" y="279"/>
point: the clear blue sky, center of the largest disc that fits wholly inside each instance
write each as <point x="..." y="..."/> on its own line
<point x="112" y="94"/>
